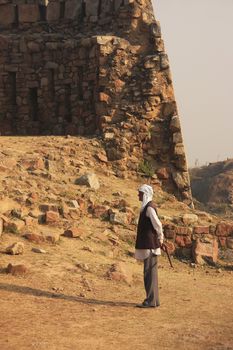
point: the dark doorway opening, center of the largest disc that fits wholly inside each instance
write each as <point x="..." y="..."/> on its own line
<point x="43" y="10"/>
<point x="68" y="114"/>
<point x="33" y="103"/>
<point x="12" y="88"/>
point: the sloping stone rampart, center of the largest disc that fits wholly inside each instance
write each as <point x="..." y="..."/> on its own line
<point x="93" y="67"/>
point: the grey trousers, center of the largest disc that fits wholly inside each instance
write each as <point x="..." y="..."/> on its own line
<point x="151" y="280"/>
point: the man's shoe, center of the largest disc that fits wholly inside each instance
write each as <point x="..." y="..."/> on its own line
<point x="144" y="305"/>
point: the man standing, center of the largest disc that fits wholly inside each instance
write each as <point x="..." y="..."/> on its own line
<point x="148" y="242"/>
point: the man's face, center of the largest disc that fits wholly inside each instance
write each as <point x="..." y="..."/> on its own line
<point x="140" y="196"/>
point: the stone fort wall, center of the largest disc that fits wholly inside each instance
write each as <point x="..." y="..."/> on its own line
<point x="93" y="67"/>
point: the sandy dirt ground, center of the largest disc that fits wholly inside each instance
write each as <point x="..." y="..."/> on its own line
<point x="45" y="310"/>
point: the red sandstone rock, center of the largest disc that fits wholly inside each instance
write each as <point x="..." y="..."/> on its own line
<point x="101" y="211"/>
<point x="182" y="230"/>
<point x="183" y="241"/>
<point x="73" y="232"/>
<point x="224" y="229"/>
<point x="205" y="249"/>
<point x="16" y="270"/>
<point x="51" y="217"/>
<point x="201" y="230"/>
<point x="35" y="238"/>
<point x="52" y="237"/>
<point x="170" y="231"/>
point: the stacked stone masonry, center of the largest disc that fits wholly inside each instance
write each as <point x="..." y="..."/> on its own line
<point x="85" y="67"/>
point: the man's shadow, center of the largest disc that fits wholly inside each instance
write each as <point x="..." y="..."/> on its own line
<point x="51" y="295"/>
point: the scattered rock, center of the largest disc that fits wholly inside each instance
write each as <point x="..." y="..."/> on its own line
<point x="30" y="221"/>
<point x="51" y="217"/>
<point x="34" y="237"/>
<point x="88" y="249"/>
<point x="14" y="226"/>
<point x="102" y="157"/>
<point x="83" y="266"/>
<point x="90" y="180"/>
<point x="120" y="272"/>
<point x="73" y="232"/>
<point x="52" y="237"/>
<point x="39" y="250"/>
<point x="17" y="270"/>
<point x="118" y="218"/>
<point x="15" y="249"/>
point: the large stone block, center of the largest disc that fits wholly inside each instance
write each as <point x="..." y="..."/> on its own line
<point x="205" y="250"/>
<point x="92" y="7"/>
<point x="28" y="13"/>
<point x="224" y="229"/>
<point x="7" y="15"/>
<point x="53" y="11"/>
<point x="73" y="9"/>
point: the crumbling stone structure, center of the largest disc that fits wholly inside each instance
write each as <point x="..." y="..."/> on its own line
<point x="86" y="67"/>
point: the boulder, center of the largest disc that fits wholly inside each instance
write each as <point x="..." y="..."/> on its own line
<point x="16" y="248"/>
<point x="89" y="180"/>
<point x="205" y="250"/>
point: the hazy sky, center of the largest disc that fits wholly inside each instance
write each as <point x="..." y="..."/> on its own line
<point x="198" y="36"/>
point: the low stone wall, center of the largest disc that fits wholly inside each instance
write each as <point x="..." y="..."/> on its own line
<point x="199" y="242"/>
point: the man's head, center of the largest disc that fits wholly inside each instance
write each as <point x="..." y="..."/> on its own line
<point x="145" y="193"/>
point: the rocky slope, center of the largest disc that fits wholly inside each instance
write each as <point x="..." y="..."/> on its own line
<point x="53" y="187"/>
<point x="213" y="186"/>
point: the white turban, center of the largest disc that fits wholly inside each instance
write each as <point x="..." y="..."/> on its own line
<point x="147" y="195"/>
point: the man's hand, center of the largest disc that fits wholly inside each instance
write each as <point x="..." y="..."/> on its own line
<point x="161" y="243"/>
